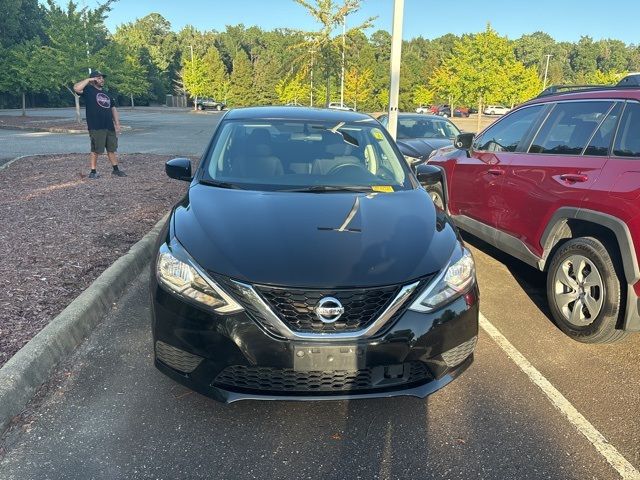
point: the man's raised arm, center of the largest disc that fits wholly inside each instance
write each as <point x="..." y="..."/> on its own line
<point x="79" y="87"/>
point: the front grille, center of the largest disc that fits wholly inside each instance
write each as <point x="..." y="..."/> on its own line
<point x="266" y="379"/>
<point x="295" y="307"/>
<point x="177" y="359"/>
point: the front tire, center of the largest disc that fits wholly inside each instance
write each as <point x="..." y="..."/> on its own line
<point x="437" y="195"/>
<point x="585" y="291"/>
<point x="218" y="107"/>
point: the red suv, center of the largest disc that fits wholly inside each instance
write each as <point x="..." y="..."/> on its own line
<point x="556" y="183"/>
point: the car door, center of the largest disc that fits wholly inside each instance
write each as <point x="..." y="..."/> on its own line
<point x="478" y="176"/>
<point x="562" y="163"/>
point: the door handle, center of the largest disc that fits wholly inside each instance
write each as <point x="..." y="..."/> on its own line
<point x="574" y="177"/>
<point x="495" y="171"/>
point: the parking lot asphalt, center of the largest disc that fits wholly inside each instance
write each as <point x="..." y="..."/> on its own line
<point x="108" y="413"/>
<point x="154" y="130"/>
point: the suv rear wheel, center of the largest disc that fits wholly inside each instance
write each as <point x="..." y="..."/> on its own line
<point x="585" y="292"/>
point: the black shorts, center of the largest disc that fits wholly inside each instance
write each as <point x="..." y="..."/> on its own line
<point x="101" y="139"/>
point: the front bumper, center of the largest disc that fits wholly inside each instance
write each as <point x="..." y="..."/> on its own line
<point x="231" y="358"/>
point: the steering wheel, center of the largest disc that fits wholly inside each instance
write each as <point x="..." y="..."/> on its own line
<point x="346" y="167"/>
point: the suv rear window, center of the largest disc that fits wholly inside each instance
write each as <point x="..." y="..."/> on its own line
<point x="628" y="137"/>
<point x="569" y="127"/>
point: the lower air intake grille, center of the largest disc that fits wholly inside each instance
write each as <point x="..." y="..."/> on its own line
<point x="267" y="379"/>
<point x="177" y="359"/>
<point x="456" y="355"/>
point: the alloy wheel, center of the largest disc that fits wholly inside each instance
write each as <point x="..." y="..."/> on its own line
<point x="578" y="290"/>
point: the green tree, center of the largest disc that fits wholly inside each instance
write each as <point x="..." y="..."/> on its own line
<point x="20" y="21"/>
<point x="358" y="86"/>
<point x="294" y="89"/>
<point x="127" y="74"/>
<point x="194" y="78"/>
<point x="24" y="71"/>
<point x="216" y="72"/>
<point x="75" y="40"/>
<point x="241" y="81"/>
<point x="523" y="84"/>
<point x="322" y="43"/>
<point x="422" y="95"/>
<point x="599" y="77"/>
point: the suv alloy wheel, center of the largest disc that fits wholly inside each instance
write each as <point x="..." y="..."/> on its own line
<point x="585" y="292"/>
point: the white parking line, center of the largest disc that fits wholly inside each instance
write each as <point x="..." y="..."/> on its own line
<point x="608" y="451"/>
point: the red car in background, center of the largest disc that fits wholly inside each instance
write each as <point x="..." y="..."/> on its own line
<point x="556" y="183"/>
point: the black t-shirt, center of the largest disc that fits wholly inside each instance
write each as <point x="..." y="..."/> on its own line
<point x="99" y="103"/>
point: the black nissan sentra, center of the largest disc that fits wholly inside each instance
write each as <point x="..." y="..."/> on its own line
<point x="306" y="262"/>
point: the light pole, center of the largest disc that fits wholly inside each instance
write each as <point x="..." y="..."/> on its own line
<point x="546" y="69"/>
<point x="344" y="29"/>
<point x="396" y="51"/>
<point x="195" y="103"/>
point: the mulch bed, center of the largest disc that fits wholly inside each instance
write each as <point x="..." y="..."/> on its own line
<point x="40" y="123"/>
<point x="60" y="231"/>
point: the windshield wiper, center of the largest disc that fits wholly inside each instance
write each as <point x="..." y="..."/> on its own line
<point x="329" y="188"/>
<point x="216" y="183"/>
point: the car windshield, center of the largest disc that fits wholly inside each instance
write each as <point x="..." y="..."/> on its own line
<point x="305" y="155"/>
<point x="426" y="128"/>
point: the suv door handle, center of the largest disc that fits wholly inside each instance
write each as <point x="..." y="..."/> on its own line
<point x="574" y="177"/>
<point x="495" y="171"/>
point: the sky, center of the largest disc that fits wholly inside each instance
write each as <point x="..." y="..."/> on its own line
<point x="564" y="20"/>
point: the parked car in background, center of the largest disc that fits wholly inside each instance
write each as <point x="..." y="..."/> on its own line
<point x="209" y="104"/>
<point x="419" y="135"/>
<point x="306" y="263"/>
<point x="337" y="106"/>
<point x="424" y="109"/>
<point x="556" y="184"/>
<point x="445" y="111"/>
<point x="495" y="110"/>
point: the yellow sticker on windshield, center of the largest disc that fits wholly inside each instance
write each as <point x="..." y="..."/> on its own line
<point x="382" y="188"/>
<point x="377" y="134"/>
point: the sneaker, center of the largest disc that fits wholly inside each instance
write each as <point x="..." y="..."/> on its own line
<point x="118" y="173"/>
<point x="93" y="175"/>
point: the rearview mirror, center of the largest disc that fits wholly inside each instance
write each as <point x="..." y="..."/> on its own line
<point x="464" y="141"/>
<point x="428" y="174"/>
<point x="179" y="168"/>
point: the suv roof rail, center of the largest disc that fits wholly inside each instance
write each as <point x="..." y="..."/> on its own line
<point x="630" y="81"/>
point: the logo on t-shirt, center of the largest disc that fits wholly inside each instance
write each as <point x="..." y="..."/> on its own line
<point x="103" y="100"/>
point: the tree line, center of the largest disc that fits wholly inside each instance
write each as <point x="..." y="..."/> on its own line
<point x="45" y="48"/>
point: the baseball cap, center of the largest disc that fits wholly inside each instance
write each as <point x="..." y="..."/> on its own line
<point x="97" y="73"/>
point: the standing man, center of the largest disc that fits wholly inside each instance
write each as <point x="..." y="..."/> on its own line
<point x="103" y="121"/>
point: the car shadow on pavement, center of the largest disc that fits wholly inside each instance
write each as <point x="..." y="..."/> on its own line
<point x="532" y="281"/>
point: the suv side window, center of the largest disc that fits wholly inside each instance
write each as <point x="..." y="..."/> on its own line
<point x="627" y="142"/>
<point x="601" y="140"/>
<point x="505" y="135"/>
<point x="569" y="127"/>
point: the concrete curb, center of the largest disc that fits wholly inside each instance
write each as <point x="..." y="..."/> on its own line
<point x="50" y="129"/>
<point x="27" y="370"/>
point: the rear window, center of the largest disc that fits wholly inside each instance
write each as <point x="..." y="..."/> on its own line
<point x="628" y="138"/>
<point x="569" y="127"/>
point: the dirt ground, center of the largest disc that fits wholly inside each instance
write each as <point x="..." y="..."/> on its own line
<point x="46" y="123"/>
<point x="61" y="230"/>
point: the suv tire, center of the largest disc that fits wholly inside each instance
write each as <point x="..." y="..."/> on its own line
<point x="582" y="274"/>
<point x="437" y="195"/>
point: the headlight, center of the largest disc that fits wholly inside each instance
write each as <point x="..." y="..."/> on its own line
<point x="454" y="280"/>
<point x="180" y="274"/>
<point x="412" y="160"/>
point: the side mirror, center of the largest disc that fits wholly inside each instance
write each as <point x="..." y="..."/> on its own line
<point x="428" y="174"/>
<point x="464" y="141"/>
<point x="179" y="168"/>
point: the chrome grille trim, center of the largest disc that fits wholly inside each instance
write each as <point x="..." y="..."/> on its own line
<point x="268" y="316"/>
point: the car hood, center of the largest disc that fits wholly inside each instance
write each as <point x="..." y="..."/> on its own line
<point x="420" y="147"/>
<point x="294" y="239"/>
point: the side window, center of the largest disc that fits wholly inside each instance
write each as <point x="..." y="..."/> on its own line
<point x="569" y="127"/>
<point x="505" y="135"/>
<point x="628" y="138"/>
<point x="601" y="141"/>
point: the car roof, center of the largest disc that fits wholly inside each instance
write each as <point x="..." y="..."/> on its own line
<point x="297" y="113"/>
<point x="625" y="93"/>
